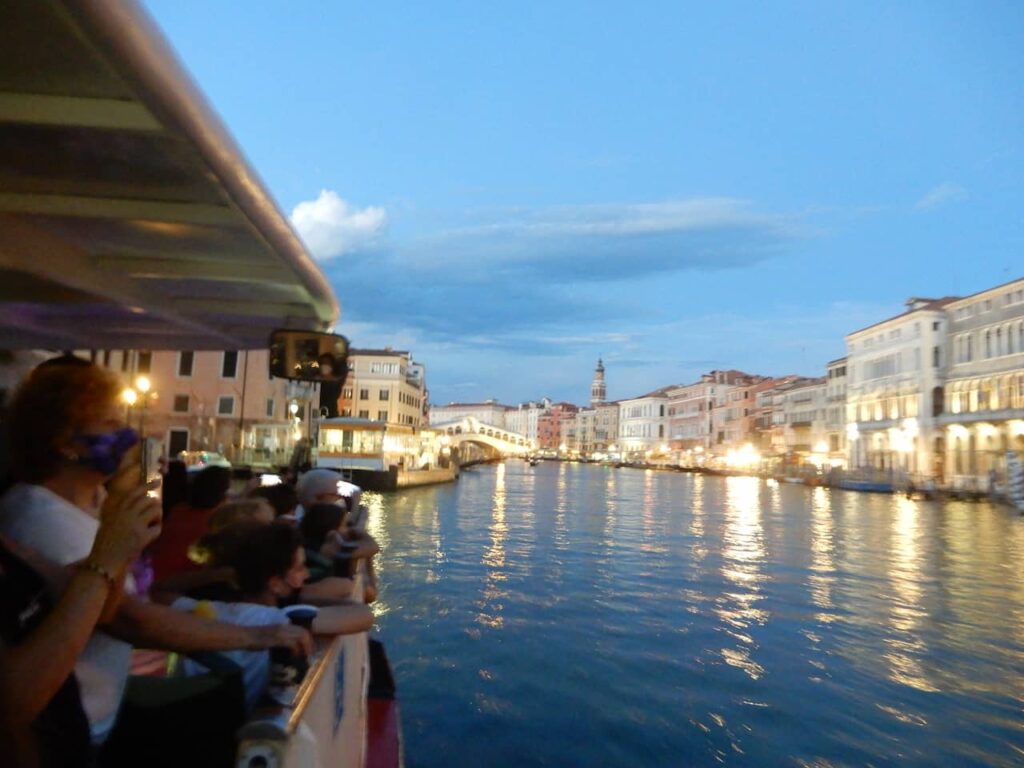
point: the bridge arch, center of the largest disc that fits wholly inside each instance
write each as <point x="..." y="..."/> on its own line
<point x="493" y="439"/>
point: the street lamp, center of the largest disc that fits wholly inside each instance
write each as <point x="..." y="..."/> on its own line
<point x="143" y="385"/>
<point x="128" y="396"/>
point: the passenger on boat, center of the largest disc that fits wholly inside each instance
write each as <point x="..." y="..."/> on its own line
<point x="174" y="488"/>
<point x="217" y="580"/>
<point x="282" y="498"/>
<point x="42" y="722"/>
<point x="208" y="491"/>
<point x="327" y="536"/>
<point x="241" y="511"/>
<point x="68" y="437"/>
<point x="321" y="536"/>
<point x="320" y="486"/>
<point x="270" y="567"/>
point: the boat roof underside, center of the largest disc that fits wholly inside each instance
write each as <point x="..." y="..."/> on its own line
<point x="128" y="216"/>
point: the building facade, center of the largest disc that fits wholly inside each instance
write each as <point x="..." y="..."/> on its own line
<point x="384" y="385"/>
<point x="835" y="410"/>
<point x="523" y="418"/>
<point x="982" y="413"/>
<point x="733" y="414"/>
<point x="225" y="402"/>
<point x="489" y="412"/>
<point x="549" y="425"/>
<point x="895" y="372"/>
<point x="644" y="424"/>
<point x="692" y="426"/>
<point x="596" y="429"/>
<point x="799" y="417"/>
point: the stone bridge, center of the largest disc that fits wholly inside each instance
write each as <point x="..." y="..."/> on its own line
<point x="495" y="441"/>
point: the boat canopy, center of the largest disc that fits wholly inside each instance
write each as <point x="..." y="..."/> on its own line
<point x="129" y="218"/>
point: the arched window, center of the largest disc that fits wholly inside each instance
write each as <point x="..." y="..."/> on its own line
<point x="988" y="344"/>
<point x="1010" y="346"/>
<point x="999" y="341"/>
<point x="937" y="401"/>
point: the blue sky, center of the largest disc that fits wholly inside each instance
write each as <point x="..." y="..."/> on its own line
<point x="511" y="191"/>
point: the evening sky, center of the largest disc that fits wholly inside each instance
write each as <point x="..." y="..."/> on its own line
<point x="510" y="191"/>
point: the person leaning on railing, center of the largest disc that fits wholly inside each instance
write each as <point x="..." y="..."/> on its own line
<point x="270" y="568"/>
<point x="42" y="722"/>
<point x="325" y="486"/>
<point x="68" y="436"/>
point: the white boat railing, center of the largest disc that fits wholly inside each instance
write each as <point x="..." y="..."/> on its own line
<point x="326" y="724"/>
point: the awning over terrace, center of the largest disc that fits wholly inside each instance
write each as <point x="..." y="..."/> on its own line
<point x="128" y="216"/>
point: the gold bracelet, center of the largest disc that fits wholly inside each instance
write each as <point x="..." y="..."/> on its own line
<point x="88" y="565"/>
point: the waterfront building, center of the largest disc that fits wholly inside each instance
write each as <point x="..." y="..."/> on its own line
<point x="766" y="435"/>
<point x="835" y="411"/>
<point x="598" y="390"/>
<point x="733" y="412"/>
<point x="583" y="432"/>
<point x="799" y="417"/>
<point x="489" y="412"/>
<point x="596" y="429"/>
<point x="895" y="372"/>
<point x="549" y="425"/>
<point x="523" y="418"/>
<point x="606" y="427"/>
<point x="567" y="440"/>
<point x="691" y="425"/>
<point x="981" y="413"/>
<point x="643" y="425"/>
<point x="384" y="385"/>
<point x="689" y="417"/>
<point x="223" y="401"/>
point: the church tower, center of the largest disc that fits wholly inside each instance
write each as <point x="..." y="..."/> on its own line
<point x="598" y="393"/>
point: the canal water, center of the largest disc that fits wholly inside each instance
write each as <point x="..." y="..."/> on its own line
<point x="579" y="615"/>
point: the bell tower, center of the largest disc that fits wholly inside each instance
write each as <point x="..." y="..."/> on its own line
<point x="598" y="393"/>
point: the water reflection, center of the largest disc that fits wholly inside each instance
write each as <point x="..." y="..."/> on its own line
<point x="905" y="645"/>
<point x="822" y="554"/>
<point x="595" y="650"/>
<point x="494" y="558"/>
<point x="742" y="556"/>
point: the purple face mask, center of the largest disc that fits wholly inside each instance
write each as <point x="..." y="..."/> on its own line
<point x="106" y="451"/>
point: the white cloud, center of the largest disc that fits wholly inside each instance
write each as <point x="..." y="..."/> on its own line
<point x="947" y="192"/>
<point x="330" y="226"/>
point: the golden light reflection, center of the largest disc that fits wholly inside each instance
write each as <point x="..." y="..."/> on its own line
<point x="699" y="548"/>
<point x="650" y="542"/>
<point x="494" y="558"/>
<point x="822" y="576"/>
<point x="560" y="533"/>
<point x="377" y="527"/>
<point x="743" y="554"/>
<point x="905" y="647"/>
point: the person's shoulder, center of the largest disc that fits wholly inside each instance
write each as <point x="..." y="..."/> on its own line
<point x="36" y="517"/>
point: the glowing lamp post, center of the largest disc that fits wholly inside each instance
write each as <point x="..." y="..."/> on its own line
<point x="143" y="386"/>
<point x="129" y="397"/>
